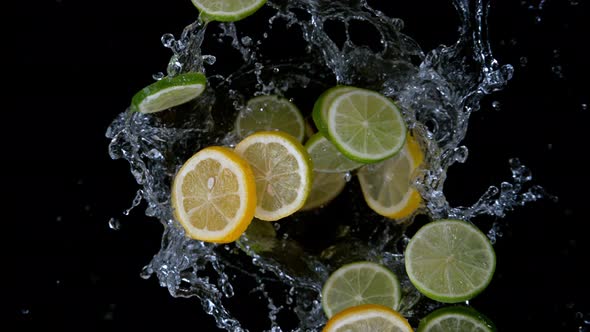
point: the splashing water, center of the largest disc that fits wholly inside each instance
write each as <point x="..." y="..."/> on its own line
<point x="437" y="91"/>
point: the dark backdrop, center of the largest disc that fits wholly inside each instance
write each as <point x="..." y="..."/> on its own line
<point x="74" y="65"/>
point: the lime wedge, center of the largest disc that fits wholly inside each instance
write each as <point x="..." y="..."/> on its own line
<point x="458" y="318"/>
<point x="168" y="92"/>
<point x="322" y="105"/>
<point x="326" y="158"/>
<point x="227" y="10"/>
<point x="266" y="113"/>
<point x="365" y="126"/>
<point x="450" y="261"/>
<point x="360" y="283"/>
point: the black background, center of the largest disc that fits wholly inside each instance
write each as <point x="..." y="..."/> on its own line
<point x="74" y="65"/>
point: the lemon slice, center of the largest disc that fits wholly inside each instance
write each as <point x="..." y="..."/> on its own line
<point x="326" y="158"/>
<point x="266" y="113"/>
<point x="168" y="92"/>
<point x="227" y="10"/>
<point x="325" y="187"/>
<point x="368" y="318"/>
<point x="283" y="172"/>
<point x="387" y="186"/>
<point x="360" y="283"/>
<point x="214" y="195"/>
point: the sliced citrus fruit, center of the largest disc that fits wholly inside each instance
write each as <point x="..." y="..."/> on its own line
<point x="283" y="172"/>
<point x="365" y="125"/>
<point x="387" y="186"/>
<point x="368" y="318"/>
<point x="322" y="105"/>
<point x="326" y="158"/>
<point x="168" y="92"/>
<point x="325" y="187"/>
<point x="360" y="283"/>
<point x="227" y="10"/>
<point x="261" y="236"/>
<point x="266" y="113"/>
<point x="214" y="195"/>
<point x="450" y="260"/>
<point x="457" y="318"/>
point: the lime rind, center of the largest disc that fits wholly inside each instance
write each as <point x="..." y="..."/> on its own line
<point x="456" y="316"/>
<point x="322" y="105"/>
<point x="326" y="157"/>
<point x="212" y="10"/>
<point x="353" y="295"/>
<point x="168" y="92"/>
<point x="440" y="252"/>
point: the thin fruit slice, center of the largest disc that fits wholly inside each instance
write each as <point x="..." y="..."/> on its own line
<point x="168" y="92"/>
<point x="227" y="10"/>
<point x="387" y="186"/>
<point x="458" y="318"/>
<point x="365" y="126"/>
<point x="325" y="187"/>
<point x="283" y="172"/>
<point x="261" y="236"/>
<point x="266" y="113"/>
<point x="326" y="157"/>
<point x="360" y="283"/>
<point x="322" y="105"/>
<point x="368" y="318"/>
<point x="214" y="195"/>
<point x="450" y="260"/>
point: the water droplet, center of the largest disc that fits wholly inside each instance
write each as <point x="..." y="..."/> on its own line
<point x="168" y="40"/>
<point x="549" y="146"/>
<point x="114" y="224"/>
<point x="584" y="106"/>
<point x="210" y="183"/>
<point x="25" y="311"/>
<point x="276" y="70"/>
<point x="209" y="59"/>
<point x="347" y="176"/>
<point x="496" y="105"/>
<point x="246" y="41"/>
<point x="59" y="218"/>
<point x="158" y="76"/>
<point x="524" y="61"/>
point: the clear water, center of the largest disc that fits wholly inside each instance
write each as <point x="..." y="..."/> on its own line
<point x="283" y="271"/>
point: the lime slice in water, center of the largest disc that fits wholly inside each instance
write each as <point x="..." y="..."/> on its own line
<point x="326" y="158"/>
<point x="450" y="261"/>
<point x="227" y="10"/>
<point x="458" y="318"/>
<point x="168" y="92"/>
<point x="322" y="105"/>
<point x="360" y="283"/>
<point x="266" y="113"/>
<point x="365" y="126"/>
<point x="325" y="187"/>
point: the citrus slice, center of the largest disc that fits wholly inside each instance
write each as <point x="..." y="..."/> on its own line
<point x="214" y="195"/>
<point x="227" y="10"/>
<point x="261" y="236"/>
<point x="168" y="92"/>
<point x="458" y="318"/>
<point x="326" y="158"/>
<point x="266" y="113"/>
<point x="283" y="172"/>
<point x="450" y="260"/>
<point x="365" y="125"/>
<point x="322" y="105"/>
<point x="360" y="283"/>
<point x="386" y="185"/>
<point x="325" y="187"/>
<point x="368" y="318"/>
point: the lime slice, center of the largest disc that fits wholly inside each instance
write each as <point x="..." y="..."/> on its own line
<point x="322" y="105"/>
<point x="387" y="186"/>
<point x="368" y="318"/>
<point x="326" y="158"/>
<point x="261" y="236"/>
<point x="365" y="126"/>
<point x="458" y="318"/>
<point x="360" y="283"/>
<point x="168" y="92"/>
<point x="450" y="260"/>
<point x="227" y="10"/>
<point x="266" y="113"/>
<point x="283" y="172"/>
<point x="325" y="187"/>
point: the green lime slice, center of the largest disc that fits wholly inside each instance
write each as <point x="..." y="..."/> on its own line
<point x="325" y="187"/>
<point x="360" y="283"/>
<point x="365" y="126"/>
<point x="261" y="236"/>
<point x="457" y="318"/>
<point x="168" y="92"/>
<point x="450" y="261"/>
<point x="326" y="157"/>
<point x="267" y="113"/>
<point x="227" y="10"/>
<point x="322" y="105"/>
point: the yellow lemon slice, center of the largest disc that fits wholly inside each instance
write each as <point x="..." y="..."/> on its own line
<point x="214" y="195"/>
<point x="368" y="318"/>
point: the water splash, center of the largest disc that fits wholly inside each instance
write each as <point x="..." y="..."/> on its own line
<point x="437" y="91"/>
